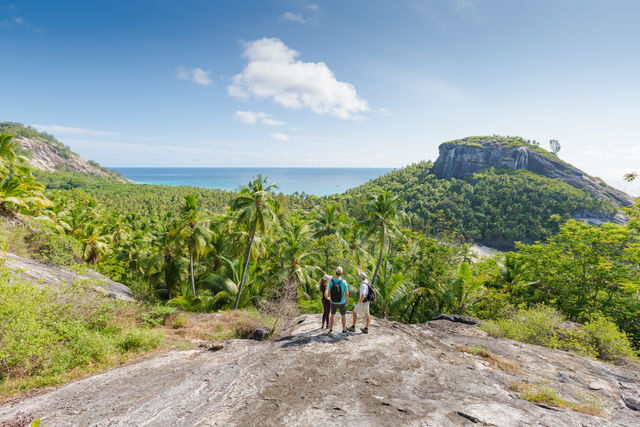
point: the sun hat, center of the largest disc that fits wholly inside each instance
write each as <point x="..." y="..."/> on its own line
<point x="326" y="277"/>
<point x="362" y="275"/>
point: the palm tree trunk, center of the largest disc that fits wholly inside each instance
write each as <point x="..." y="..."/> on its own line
<point x="193" y="285"/>
<point x="375" y="273"/>
<point x="414" y="308"/>
<point x="244" y="267"/>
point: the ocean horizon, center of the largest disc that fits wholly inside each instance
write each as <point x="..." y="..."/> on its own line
<point x="316" y="181"/>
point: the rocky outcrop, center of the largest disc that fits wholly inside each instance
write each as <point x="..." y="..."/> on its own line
<point x="423" y="375"/>
<point x="59" y="278"/>
<point x="467" y="156"/>
<point x="49" y="157"/>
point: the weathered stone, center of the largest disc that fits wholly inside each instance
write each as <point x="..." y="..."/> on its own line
<point x="458" y="159"/>
<point x="59" y="277"/>
<point x="398" y="374"/>
<point x="46" y="156"/>
<point x="468" y="320"/>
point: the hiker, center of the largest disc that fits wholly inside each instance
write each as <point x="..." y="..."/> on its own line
<point x="338" y="293"/>
<point x="363" y="304"/>
<point x="326" y="302"/>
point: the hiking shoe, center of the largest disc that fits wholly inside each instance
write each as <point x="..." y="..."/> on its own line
<point x="351" y="328"/>
<point x="344" y="331"/>
<point x="365" y="330"/>
<point x="330" y="333"/>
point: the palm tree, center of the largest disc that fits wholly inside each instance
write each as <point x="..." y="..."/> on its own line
<point x="327" y="221"/>
<point x="7" y="152"/>
<point x="392" y="292"/>
<point x="164" y="261"/>
<point x="95" y="243"/>
<point x="383" y="211"/>
<point x="19" y="189"/>
<point x="294" y="243"/>
<point x="256" y="209"/>
<point x="464" y="289"/>
<point x="355" y="236"/>
<point x="194" y="232"/>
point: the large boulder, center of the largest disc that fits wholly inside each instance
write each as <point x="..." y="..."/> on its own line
<point x="467" y="156"/>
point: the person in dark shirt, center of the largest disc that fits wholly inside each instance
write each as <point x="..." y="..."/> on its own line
<point x="326" y="302"/>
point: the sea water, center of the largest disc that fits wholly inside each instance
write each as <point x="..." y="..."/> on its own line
<point x="317" y="181"/>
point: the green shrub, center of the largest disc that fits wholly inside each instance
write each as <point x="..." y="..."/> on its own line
<point x="48" y="337"/>
<point x="140" y="340"/>
<point x="611" y="343"/>
<point x="157" y="315"/>
<point x="57" y="249"/>
<point x="311" y="305"/>
<point x="179" y="322"/>
<point x="545" y="326"/>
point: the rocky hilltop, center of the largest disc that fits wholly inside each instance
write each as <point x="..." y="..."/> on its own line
<point x="464" y="157"/>
<point x="44" y="152"/>
<point x="440" y="373"/>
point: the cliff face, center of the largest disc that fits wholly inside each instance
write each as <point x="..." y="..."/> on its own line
<point x="44" y="152"/>
<point x="467" y="156"/>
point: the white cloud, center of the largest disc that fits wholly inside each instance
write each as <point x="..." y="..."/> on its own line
<point x="58" y="130"/>
<point x="295" y="17"/>
<point x="274" y="72"/>
<point x="313" y="7"/>
<point x="251" y="118"/>
<point x="196" y="75"/>
<point x="280" y="136"/>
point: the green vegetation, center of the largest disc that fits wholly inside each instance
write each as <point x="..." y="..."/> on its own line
<point x="545" y="326"/>
<point x="506" y="142"/>
<point x="49" y="337"/>
<point x="206" y="250"/>
<point x="19" y="130"/>
<point x="495" y="207"/>
<point x="545" y="394"/>
<point x="28" y="132"/>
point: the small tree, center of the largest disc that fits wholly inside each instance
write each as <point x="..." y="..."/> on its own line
<point x="555" y="146"/>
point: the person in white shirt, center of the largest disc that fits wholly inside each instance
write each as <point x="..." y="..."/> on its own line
<point x="363" y="306"/>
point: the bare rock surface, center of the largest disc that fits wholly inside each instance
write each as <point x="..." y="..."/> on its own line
<point x="47" y="156"/>
<point x="55" y="277"/>
<point x="458" y="159"/>
<point x="395" y="375"/>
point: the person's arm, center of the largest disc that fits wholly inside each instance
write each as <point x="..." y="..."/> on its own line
<point x="361" y="297"/>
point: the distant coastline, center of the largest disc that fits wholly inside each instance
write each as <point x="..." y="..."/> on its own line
<point x="316" y="181"/>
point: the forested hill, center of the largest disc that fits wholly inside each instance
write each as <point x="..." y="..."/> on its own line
<point x="493" y="206"/>
<point x="466" y="156"/>
<point x="44" y="152"/>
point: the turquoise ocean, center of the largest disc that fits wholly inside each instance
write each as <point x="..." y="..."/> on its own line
<point x="317" y="181"/>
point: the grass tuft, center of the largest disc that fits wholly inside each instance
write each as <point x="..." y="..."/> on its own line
<point x="547" y="395"/>
<point x="496" y="361"/>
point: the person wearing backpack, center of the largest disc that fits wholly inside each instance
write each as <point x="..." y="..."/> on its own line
<point x="338" y="293"/>
<point x="367" y="294"/>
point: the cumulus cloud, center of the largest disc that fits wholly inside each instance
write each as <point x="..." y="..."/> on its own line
<point x="295" y="17"/>
<point x="273" y="72"/>
<point x="280" y="136"/>
<point x="59" y="130"/>
<point x="196" y="75"/>
<point x="251" y="118"/>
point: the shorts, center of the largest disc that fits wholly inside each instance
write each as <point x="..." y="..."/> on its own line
<point x="341" y="307"/>
<point x="362" y="308"/>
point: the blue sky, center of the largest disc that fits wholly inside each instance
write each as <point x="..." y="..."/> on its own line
<point x="323" y="83"/>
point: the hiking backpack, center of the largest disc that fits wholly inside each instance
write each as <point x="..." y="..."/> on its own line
<point x="336" y="292"/>
<point x="371" y="294"/>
